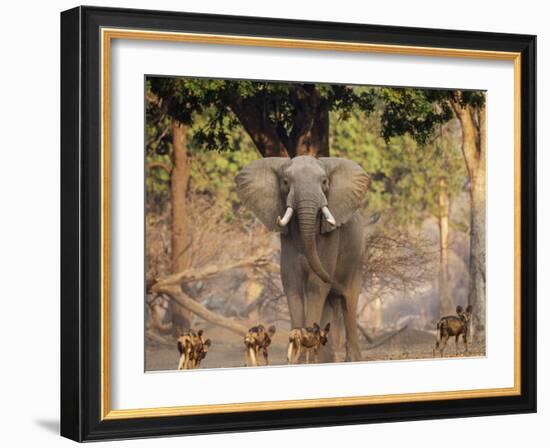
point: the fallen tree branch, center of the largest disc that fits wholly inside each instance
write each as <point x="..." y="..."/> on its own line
<point x="182" y="299"/>
<point x="386" y="338"/>
<point x="364" y="333"/>
<point x="192" y="274"/>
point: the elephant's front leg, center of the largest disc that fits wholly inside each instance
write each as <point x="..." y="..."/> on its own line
<point x="332" y="313"/>
<point x="296" y="309"/>
<point x="316" y="296"/>
<point x="350" y="322"/>
<point x="293" y="277"/>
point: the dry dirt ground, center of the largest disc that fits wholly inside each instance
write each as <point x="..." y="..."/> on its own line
<point x="228" y="350"/>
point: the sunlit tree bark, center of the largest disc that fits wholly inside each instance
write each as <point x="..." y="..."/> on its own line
<point x="472" y="122"/>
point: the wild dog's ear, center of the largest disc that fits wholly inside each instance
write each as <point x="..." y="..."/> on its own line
<point x="316" y="326"/>
<point x="207" y="343"/>
<point x="271" y="330"/>
<point x="327" y="327"/>
<point x="459" y="309"/>
<point x="200" y="333"/>
<point x="348" y="184"/>
<point x="258" y="189"/>
<point x="469" y="309"/>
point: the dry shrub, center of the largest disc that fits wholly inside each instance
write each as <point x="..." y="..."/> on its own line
<point x="157" y="244"/>
<point x="220" y="235"/>
<point x="217" y="235"/>
<point x="397" y="262"/>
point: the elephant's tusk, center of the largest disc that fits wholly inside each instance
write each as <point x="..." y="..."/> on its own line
<point x="328" y="216"/>
<point x="282" y="222"/>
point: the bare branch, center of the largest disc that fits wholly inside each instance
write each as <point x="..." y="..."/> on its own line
<point x="182" y="299"/>
<point x="386" y="338"/>
<point x="190" y="275"/>
<point x="397" y="262"/>
<point x="364" y="333"/>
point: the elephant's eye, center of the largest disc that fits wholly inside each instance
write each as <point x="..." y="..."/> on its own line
<point x="285" y="182"/>
<point x="325" y="182"/>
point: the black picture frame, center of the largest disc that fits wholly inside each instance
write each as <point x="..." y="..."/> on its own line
<point x="81" y="224"/>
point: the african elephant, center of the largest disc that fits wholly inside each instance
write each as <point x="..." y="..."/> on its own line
<point x="314" y="204"/>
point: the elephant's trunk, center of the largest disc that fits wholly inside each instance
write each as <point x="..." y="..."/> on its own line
<point x="308" y="211"/>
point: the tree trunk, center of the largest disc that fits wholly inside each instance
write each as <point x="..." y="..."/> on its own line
<point x="445" y="301"/>
<point x="472" y="122"/>
<point x="181" y="238"/>
<point x="310" y="128"/>
<point x="262" y="132"/>
<point x="476" y="293"/>
<point x="310" y="132"/>
<point x="313" y="139"/>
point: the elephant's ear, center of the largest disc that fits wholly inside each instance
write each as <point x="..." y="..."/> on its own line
<point x="258" y="189"/>
<point x="348" y="184"/>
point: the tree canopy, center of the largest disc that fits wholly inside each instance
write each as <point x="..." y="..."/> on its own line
<point x="277" y="116"/>
<point x="418" y="112"/>
<point x="395" y="134"/>
<point x="405" y="174"/>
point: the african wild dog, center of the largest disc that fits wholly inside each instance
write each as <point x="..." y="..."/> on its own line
<point x="193" y="349"/>
<point x="453" y="326"/>
<point x="308" y="339"/>
<point x="255" y="340"/>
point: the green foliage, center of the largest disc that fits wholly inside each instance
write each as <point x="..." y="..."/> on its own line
<point x="158" y="147"/>
<point x="418" y="112"/>
<point x="217" y="143"/>
<point x="212" y="168"/>
<point x="405" y="176"/>
<point x="185" y="99"/>
<point x="213" y="172"/>
<point x="403" y="137"/>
